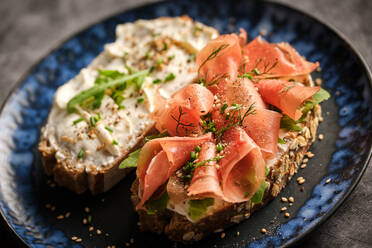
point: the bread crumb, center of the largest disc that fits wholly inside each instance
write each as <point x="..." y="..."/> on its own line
<point x="321" y="136"/>
<point x="127" y="244"/>
<point x="309" y="154"/>
<point x="300" y="180"/>
<point x="291" y="199"/>
<point x="263" y="230"/>
<point x="318" y="81"/>
<point x="79" y="240"/>
<point x="91" y="229"/>
<point x="238" y="233"/>
<point x="74" y="238"/>
<point x="99" y="232"/>
<point x="223" y="235"/>
<point x="60" y="217"/>
<point x="305" y="160"/>
<point x="67" y="215"/>
<point x="284" y="199"/>
<point x="287" y="215"/>
<point x="303" y="166"/>
<point x="85" y="221"/>
<point x="328" y="180"/>
<point x="283" y="209"/>
<point x="87" y="210"/>
<point x="131" y="240"/>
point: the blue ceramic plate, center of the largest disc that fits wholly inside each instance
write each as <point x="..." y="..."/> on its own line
<point x="342" y="156"/>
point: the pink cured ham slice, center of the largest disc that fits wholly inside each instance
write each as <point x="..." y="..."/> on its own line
<point x="242" y="169"/>
<point x="205" y="181"/>
<point x="160" y="158"/>
<point x="263" y="126"/>
<point x="181" y="116"/>
<point x="282" y="58"/>
<point x="226" y="62"/>
<point x="287" y="96"/>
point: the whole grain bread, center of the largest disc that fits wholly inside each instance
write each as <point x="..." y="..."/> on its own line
<point x="179" y="228"/>
<point x="99" y="179"/>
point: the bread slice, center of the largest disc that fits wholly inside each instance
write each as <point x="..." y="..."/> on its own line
<point x="179" y="228"/>
<point x="166" y="44"/>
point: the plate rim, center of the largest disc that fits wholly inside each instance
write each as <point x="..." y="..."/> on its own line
<point x="295" y="240"/>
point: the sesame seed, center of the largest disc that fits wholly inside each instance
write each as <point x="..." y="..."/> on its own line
<point x="291" y="199"/>
<point x="223" y="235"/>
<point x="99" y="232"/>
<point x="263" y="230"/>
<point x="87" y="210"/>
<point x="60" y="217"/>
<point x="237" y="233"/>
<point x="284" y="199"/>
<point x="52" y="208"/>
<point x="301" y="181"/>
<point x="318" y="81"/>
<point x="287" y="215"/>
<point x="79" y="240"/>
<point x="303" y="166"/>
<point x="321" y="136"/>
<point x="299" y="178"/>
<point x="74" y="238"/>
<point x="309" y="154"/>
<point x="328" y="180"/>
<point x="305" y="160"/>
<point x="291" y="204"/>
<point x="283" y="209"/>
<point x="85" y="221"/>
<point x="91" y="229"/>
<point x="67" y="214"/>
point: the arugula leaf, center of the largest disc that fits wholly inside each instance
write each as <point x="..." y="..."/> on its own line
<point x="257" y="197"/>
<point x="154" y="206"/>
<point x="318" y="97"/>
<point x="131" y="161"/>
<point x="98" y="88"/>
<point x="281" y="141"/>
<point x="289" y="124"/>
<point x="197" y="208"/>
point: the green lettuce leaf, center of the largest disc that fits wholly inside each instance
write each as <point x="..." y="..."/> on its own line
<point x="289" y="124"/>
<point x="131" y="161"/>
<point x="154" y="206"/>
<point x="197" y="208"/>
<point x="257" y="198"/>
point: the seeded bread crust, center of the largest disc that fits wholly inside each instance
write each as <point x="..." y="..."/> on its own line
<point x="178" y="228"/>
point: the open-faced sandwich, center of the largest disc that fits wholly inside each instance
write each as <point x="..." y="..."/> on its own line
<point x="233" y="138"/>
<point x="103" y="113"/>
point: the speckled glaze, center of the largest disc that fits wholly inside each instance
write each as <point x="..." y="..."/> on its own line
<point x="342" y="156"/>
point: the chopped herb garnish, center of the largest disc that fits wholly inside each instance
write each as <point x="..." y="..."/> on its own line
<point x="170" y="77"/>
<point x="77" y="121"/>
<point x="289" y="87"/>
<point x="147" y="56"/>
<point x="114" y="142"/>
<point x="81" y="154"/>
<point x="165" y="46"/>
<point x="109" y="129"/>
<point x="281" y="141"/>
<point x="152" y="68"/>
<point x="131" y="161"/>
<point x="99" y="116"/>
<point x="196" y="30"/>
<point x="92" y="121"/>
<point x="197" y="149"/>
<point x="171" y="57"/>
<point x="159" y="61"/>
<point x="141" y="99"/>
<point x="121" y="107"/>
<point x="256" y="71"/>
<point x="98" y="90"/>
<point x="157" y="81"/>
<point x="213" y="55"/>
<point x="223" y="108"/>
<point x="289" y="124"/>
<point x="89" y="218"/>
<point x="193" y="155"/>
<point x="155" y="34"/>
<point x="246" y="75"/>
<point x="126" y="54"/>
<point x="179" y="122"/>
<point x="219" y="147"/>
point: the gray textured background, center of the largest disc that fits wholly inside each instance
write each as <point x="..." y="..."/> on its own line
<point x="31" y="28"/>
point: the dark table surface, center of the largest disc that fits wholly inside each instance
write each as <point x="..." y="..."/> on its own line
<point x="31" y="28"/>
